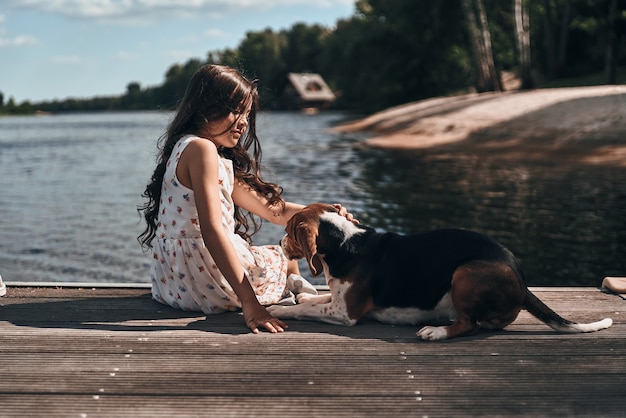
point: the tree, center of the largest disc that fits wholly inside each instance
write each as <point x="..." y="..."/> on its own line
<point x="176" y="79"/>
<point x="260" y="57"/>
<point x="522" y="32"/>
<point x="133" y="89"/>
<point x="133" y="97"/>
<point x="304" y="47"/>
<point x="393" y="52"/>
<point x="228" y="56"/>
<point x="478" y="27"/>
<point x="611" y="46"/>
<point x="556" y="33"/>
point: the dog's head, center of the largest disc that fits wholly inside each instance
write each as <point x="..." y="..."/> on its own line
<point x="301" y="240"/>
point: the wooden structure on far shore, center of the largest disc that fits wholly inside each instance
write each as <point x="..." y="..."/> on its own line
<point x="306" y="91"/>
<point x="114" y="352"/>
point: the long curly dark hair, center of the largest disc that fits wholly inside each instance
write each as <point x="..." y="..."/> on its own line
<point x="213" y="92"/>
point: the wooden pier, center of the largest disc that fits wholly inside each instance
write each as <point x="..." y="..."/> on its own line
<point x="114" y="352"/>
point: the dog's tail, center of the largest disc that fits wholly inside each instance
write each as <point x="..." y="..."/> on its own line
<point x="542" y="312"/>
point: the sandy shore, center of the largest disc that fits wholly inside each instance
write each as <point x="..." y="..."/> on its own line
<point x="583" y="123"/>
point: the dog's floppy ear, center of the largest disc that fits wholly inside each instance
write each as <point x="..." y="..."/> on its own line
<point x="306" y="236"/>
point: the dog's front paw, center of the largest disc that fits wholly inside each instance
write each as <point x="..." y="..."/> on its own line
<point x="304" y="297"/>
<point x="275" y="310"/>
<point x="432" y="333"/>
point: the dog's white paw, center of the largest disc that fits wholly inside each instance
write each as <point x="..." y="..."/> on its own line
<point x="303" y="297"/>
<point x="275" y="310"/>
<point x="432" y="333"/>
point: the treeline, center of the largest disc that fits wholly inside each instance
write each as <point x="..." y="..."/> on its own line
<point x="393" y="52"/>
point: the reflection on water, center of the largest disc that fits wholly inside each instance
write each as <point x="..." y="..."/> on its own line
<point x="70" y="185"/>
<point x="567" y="223"/>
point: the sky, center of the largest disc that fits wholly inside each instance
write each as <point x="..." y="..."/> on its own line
<point x="57" y="49"/>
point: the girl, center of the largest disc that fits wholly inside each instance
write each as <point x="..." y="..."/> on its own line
<point x="203" y="259"/>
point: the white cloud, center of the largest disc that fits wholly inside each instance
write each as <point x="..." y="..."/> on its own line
<point x="133" y="12"/>
<point x="15" y="41"/>
<point x="18" y="41"/>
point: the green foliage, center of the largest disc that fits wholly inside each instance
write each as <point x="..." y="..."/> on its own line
<point x="395" y="52"/>
<point x="502" y="27"/>
<point x="11" y="108"/>
<point x="260" y="58"/>
<point x="391" y="52"/>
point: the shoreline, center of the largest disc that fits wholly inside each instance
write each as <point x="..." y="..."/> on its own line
<point x="584" y="123"/>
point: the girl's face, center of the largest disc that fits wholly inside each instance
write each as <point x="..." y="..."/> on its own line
<point x="226" y="132"/>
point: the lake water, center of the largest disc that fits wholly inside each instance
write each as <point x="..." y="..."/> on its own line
<point x="70" y="185"/>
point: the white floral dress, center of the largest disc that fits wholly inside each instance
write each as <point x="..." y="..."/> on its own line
<point x="184" y="274"/>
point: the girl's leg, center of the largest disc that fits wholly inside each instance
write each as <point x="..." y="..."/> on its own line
<point x="295" y="282"/>
<point x="293" y="268"/>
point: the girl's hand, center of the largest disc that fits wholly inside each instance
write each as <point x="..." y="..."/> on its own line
<point x="344" y="212"/>
<point x="257" y="316"/>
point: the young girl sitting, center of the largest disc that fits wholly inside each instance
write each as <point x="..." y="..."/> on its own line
<point x="205" y="179"/>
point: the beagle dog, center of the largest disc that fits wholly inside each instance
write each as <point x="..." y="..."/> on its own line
<point x="462" y="278"/>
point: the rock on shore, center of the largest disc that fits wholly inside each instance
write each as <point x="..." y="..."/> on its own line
<point x="584" y="123"/>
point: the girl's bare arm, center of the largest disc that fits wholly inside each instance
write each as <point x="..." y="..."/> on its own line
<point x="256" y="203"/>
<point x="252" y="201"/>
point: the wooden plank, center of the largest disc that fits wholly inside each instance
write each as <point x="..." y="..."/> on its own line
<point x="115" y="352"/>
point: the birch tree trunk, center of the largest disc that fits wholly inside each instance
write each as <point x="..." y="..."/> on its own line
<point x="522" y="31"/>
<point x="494" y="79"/>
<point x="487" y="77"/>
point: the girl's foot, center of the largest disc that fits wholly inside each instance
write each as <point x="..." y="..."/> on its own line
<point x="298" y="284"/>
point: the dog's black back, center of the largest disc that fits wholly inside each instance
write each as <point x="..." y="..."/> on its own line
<point x="413" y="270"/>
